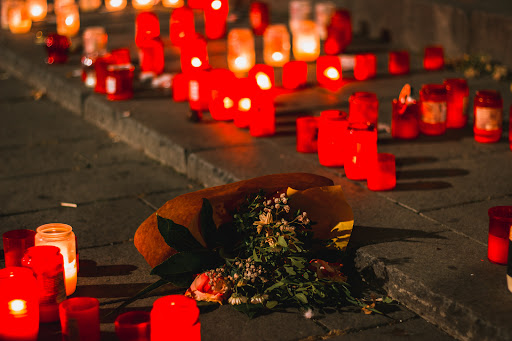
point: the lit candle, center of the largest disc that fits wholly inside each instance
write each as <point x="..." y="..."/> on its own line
<point x="37" y="9"/>
<point x="488" y="113"/>
<point x="89" y="5"/>
<point x="244" y="102"/>
<point x="382" y="173"/>
<point x="151" y="57"/>
<point x="328" y="72"/>
<point x="194" y="54"/>
<point x="258" y="17"/>
<point x="147" y="28"/>
<point x="180" y="87"/>
<point x="47" y="263"/>
<point x="16" y="242"/>
<point x="115" y="5"/>
<point x="433" y="109"/>
<point x="398" y="62"/>
<point x="173" y="3"/>
<point x="175" y="317"/>
<point x="241" y="55"/>
<point x="361" y="149"/>
<point x="181" y="25"/>
<point x="215" y="16"/>
<point x="276" y="45"/>
<point x="307" y="134"/>
<point x="363" y="108"/>
<point x="262" y="76"/>
<point x="295" y="74"/>
<point x="306" y="42"/>
<point x="68" y="20"/>
<point x="457" y="99"/>
<point x="339" y="33"/>
<point x="133" y="326"/>
<point x="19" y="18"/>
<point x="323" y="14"/>
<point x="299" y="10"/>
<point x="4" y="19"/>
<point x="143" y="4"/>
<point x="119" y="82"/>
<point x="95" y="40"/>
<point x="199" y="92"/>
<point x="222" y="103"/>
<point x="332" y="139"/>
<point x="405" y="119"/>
<point x="365" y="66"/>
<point x="263" y="118"/>
<point x="500" y="221"/>
<point x="80" y="319"/>
<point x="62" y="236"/>
<point x="433" y="58"/>
<point x="57" y="47"/>
<point x="19" y="302"/>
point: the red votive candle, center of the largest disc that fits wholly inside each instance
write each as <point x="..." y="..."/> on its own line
<point x="199" y="90"/>
<point x="215" y="15"/>
<point x="80" y="318"/>
<point x="263" y="76"/>
<point x="175" y="317"/>
<point x="16" y="242"/>
<point x="121" y="55"/>
<point x="244" y="102"/>
<point x="194" y="54"/>
<point x="180" y="87"/>
<point x="151" y="57"/>
<point x="57" y="47"/>
<point x="133" y="326"/>
<point x="295" y="74"/>
<point x="307" y="134"/>
<point x="328" y="72"/>
<point x="361" y="149"/>
<point x="405" y="120"/>
<point x="339" y="33"/>
<point x="433" y="58"/>
<point x="19" y="305"/>
<point x="399" y="62"/>
<point x="100" y="68"/>
<point x="258" y="17"/>
<point x="263" y="119"/>
<point x="382" y="173"/>
<point x="333" y="113"/>
<point x="196" y="4"/>
<point x="181" y="25"/>
<point x="433" y="109"/>
<point x="488" y="111"/>
<point x="332" y="139"/>
<point x="457" y="99"/>
<point x="222" y="103"/>
<point x="119" y="82"/>
<point x="500" y="221"/>
<point x="147" y="28"/>
<point x="365" y="66"/>
<point x="47" y="263"/>
<point x="363" y="108"/>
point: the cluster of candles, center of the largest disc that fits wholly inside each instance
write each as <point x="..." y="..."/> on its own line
<point x="41" y="272"/>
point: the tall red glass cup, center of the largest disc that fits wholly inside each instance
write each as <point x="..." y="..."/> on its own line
<point x="398" y="62"/>
<point x="361" y="150"/>
<point x="133" y="326"/>
<point x="258" y="17"/>
<point x="488" y="111"/>
<point x="405" y="120"/>
<point x="295" y="74"/>
<point x="175" y="317"/>
<point x="382" y="173"/>
<point x="500" y="222"/>
<point x="433" y="109"/>
<point x="457" y="99"/>
<point x="365" y="66"/>
<point x="307" y="134"/>
<point x="80" y="318"/>
<point x="57" y="47"/>
<point x="433" y="58"/>
<point x="119" y="82"/>
<point x="363" y="108"/>
<point x="332" y="139"/>
<point x="16" y="242"/>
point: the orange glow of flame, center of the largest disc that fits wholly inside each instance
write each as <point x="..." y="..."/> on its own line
<point x="36" y="10"/>
<point x="228" y="103"/>
<point x="263" y="81"/>
<point x="18" y="307"/>
<point x="116" y="3"/>
<point x="69" y="20"/>
<point x="216" y="4"/>
<point x="196" y="62"/>
<point x="332" y="73"/>
<point x="241" y="62"/>
<point x="244" y="104"/>
<point x="308" y="46"/>
<point x="277" y="56"/>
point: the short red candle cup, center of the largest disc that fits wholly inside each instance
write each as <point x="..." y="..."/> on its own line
<point x="363" y="108"/>
<point x="119" y="82"/>
<point x="147" y="28"/>
<point x="199" y="90"/>
<point x="133" y="326"/>
<point x="20" y="304"/>
<point x="339" y="33"/>
<point x="405" y="120"/>
<point x="457" y="99"/>
<point x="399" y="62"/>
<point x="365" y="66"/>
<point x="295" y="74"/>
<point x="263" y="117"/>
<point x="500" y="222"/>
<point x="175" y="317"/>
<point x="361" y="150"/>
<point x="194" y="54"/>
<point x="332" y="137"/>
<point x="382" y="173"/>
<point x="180" y="87"/>
<point x="80" y="318"/>
<point x="244" y="102"/>
<point x="307" y="134"/>
<point x="488" y="111"/>
<point x="215" y="16"/>
<point x="101" y="70"/>
<point x="222" y="104"/>
<point x="16" y="242"/>
<point x="258" y="17"/>
<point x="181" y="25"/>
<point x="433" y="109"/>
<point x="328" y="72"/>
<point x="262" y="76"/>
<point x="57" y="47"/>
<point x="433" y="58"/>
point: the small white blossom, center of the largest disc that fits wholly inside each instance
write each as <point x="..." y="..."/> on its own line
<point x="276" y="200"/>
<point x="308" y="314"/>
<point x="258" y="298"/>
<point x="282" y="195"/>
<point x="286" y="208"/>
<point x="237" y="299"/>
<point x="269" y="202"/>
<point x="277" y="206"/>
<point x="284" y="201"/>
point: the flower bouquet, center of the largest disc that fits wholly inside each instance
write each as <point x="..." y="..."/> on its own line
<point x="254" y="244"/>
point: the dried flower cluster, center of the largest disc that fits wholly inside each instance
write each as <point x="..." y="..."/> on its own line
<point x="474" y="66"/>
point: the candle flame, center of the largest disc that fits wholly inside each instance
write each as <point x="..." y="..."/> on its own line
<point x="241" y="62"/>
<point x="308" y="46"/>
<point x="244" y="104"/>
<point x="216" y="4"/>
<point x="116" y="3"/>
<point x="69" y="20"/>
<point x="332" y="73"/>
<point x="143" y="2"/>
<point x="36" y="10"/>
<point x="196" y="62"/>
<point x="263" y="81"/>
<point x="277" y="56"/>
<point x="18" y="307"/>
<point x="228" y="103"/>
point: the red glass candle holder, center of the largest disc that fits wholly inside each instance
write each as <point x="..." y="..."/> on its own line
<point x="363" y="108"/>
<point x="80" y="318"/>
<point x="433" y="109"/>
<point x="258" y="17"/>
<point x="180" y="87"/>
<point x="332" y="139"/>
<point x="328" y="72"/>
<point x="151" y="57"/>
<point x="222" y="104"/>
<point x="457" y="99"/>
<point x="295" y="74"/>
<point x="119" y="82"/>
<point x="307" y="134"/>
<point x="365" y="66"/>
<point x="361" y="150"/>
<point x="16" y="242"/>
<point x="263" y="76"/>
<point x="433" y="58"/>
<point x="199" y="90"/>
<point x="339" y="33"/>
<point x="333" y="113"/>
<point x="100" y="68"/>
<point x="194" y="54"/>
<point x="47" y="263"/>
<point x="19" y="300"/>
<point x="175" y="317"/>
<point x="133" y="326"/>
<point x="181" y="25"/>
<point x="382" y="173"/>
<point x="215" y="16"/>
<point x="57" y="47"/>
<point x="405" y="120"/>
<point x="147" y="28"/>
<point x="263" y="119"/>
<point x="244" y="103"/>
<point x="121" y="55"/>
<point x="196" y="4"/>
<point x="399" y="62"/>
<point x="500" y="221"/>
<point x="488" y="111"/>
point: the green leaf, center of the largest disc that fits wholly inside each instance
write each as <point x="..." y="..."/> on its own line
<point x="271" y="304"/>
<point x="188" y="262"/>
<point x="255" y="255"/>
<point x="274" y="286"/>
<point x="281" y="241"/>
<point x="301" y="297"/>
<point x="207" y="225"/>
<point x="177" y="236"/>
<point x="298" y="262"/>
<point x="290" y="270"/>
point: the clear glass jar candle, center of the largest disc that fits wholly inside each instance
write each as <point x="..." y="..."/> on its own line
<point x="19" y="18"/>
<point x="95" y="40"/>
<point x="62" y="236"/>
<point x="37" y="9"/>
<point x="115" y="5"/>
<point x="363" y="108"/>
<point x="276" y="45"/>
<point x="68" y="20"/>
<point x="143" y="5"/>
<point x="89" y="5"/>
<point x="488" y="112"/>
<point x="306" y="42"/>
<point x="241" y="55"/>
<point x="173" y="3"/>
<point x="5" y="12"/>
<point x="324" y="11"/>
<point x="457" y="100"/>
<point x="433" y="109"/>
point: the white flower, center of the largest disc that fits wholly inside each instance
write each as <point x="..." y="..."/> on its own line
<point x="284" y="201"/>
<point x="269" y="202"/>
<point x="236" y="299"/>
<point x="286" y="208"/>
<point x="258" y="298"/>
<point x="276" y="200"/>
<point x="282" y="195"/>
<point x="308" y="314"/>
<point x="277" y="206"/>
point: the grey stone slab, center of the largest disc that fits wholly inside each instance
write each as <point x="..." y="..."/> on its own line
<point x="13" y="90"/>
<point x="157" y="200"/>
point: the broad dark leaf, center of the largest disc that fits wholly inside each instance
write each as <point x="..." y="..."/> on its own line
<point x="187" y="262"/>
<point x="177" y="236"/>
<point x="208" y="228"/>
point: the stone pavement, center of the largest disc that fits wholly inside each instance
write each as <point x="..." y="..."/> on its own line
<point x="424" y="243"/>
